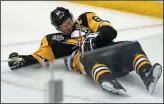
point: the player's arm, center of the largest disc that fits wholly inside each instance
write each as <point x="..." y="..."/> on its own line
<point x="18" y="61"/>
<point x="96" y="24"/>
<point x="52" y="47"/>
<point x="40" y="57"/>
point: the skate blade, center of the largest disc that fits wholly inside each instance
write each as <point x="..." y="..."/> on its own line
<point x="156" y="73"/>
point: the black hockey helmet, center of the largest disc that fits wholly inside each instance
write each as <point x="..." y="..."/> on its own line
<point x="59" y="15"/>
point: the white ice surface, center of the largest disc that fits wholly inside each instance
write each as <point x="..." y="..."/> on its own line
<point x="28" y="21"/>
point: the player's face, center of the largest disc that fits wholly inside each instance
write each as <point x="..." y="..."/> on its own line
<point x="67" y="26"/>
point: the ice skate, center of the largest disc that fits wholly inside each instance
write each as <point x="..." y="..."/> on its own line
<point x="152" y="77"/>
<point x="114" y="87"/>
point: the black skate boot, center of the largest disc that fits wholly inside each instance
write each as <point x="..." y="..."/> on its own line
<point x="150" y="79"/>
<point x="114" y="87"/>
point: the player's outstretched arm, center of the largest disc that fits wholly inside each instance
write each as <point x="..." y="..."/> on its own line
<point x="17" y="61"/>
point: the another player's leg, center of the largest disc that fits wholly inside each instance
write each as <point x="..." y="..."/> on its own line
<point x="148" y="73"/>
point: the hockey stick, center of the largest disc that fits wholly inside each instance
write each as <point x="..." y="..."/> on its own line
<point x="7" y="60"/>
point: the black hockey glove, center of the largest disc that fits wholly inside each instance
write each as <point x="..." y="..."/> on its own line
<point x="89" y="43"/>
<point x="15" y="61"/>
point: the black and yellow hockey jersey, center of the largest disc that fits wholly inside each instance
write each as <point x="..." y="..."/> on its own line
<point x="54" y="46"/>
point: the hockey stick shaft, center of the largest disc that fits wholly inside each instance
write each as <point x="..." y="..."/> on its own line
<point x="7" y="60"/>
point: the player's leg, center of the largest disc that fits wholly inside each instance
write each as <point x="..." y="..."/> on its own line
<point x="149" y="73"/>
<point x="100" y="64"/>
<point x="102" y="74"/>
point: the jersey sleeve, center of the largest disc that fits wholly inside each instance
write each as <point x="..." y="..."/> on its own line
<point x="92" y="21"/>
<point x="44" y="53"/>
<point x="53" y="46"/>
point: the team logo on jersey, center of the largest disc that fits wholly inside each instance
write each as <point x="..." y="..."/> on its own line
<point x="58" y="37"/>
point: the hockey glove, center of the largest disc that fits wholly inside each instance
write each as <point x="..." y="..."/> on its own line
<point x="90" y="42"/>
<point x="15" y="61"/>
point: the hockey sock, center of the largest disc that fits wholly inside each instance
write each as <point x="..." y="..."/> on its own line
<point x="141" y="64"/>
<point x="99" y="70"/>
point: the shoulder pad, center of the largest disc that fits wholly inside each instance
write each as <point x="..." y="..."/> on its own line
<point x="83" y="19"/>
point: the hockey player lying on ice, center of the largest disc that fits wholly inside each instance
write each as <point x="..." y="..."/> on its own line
<point x="95" y="33"/>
